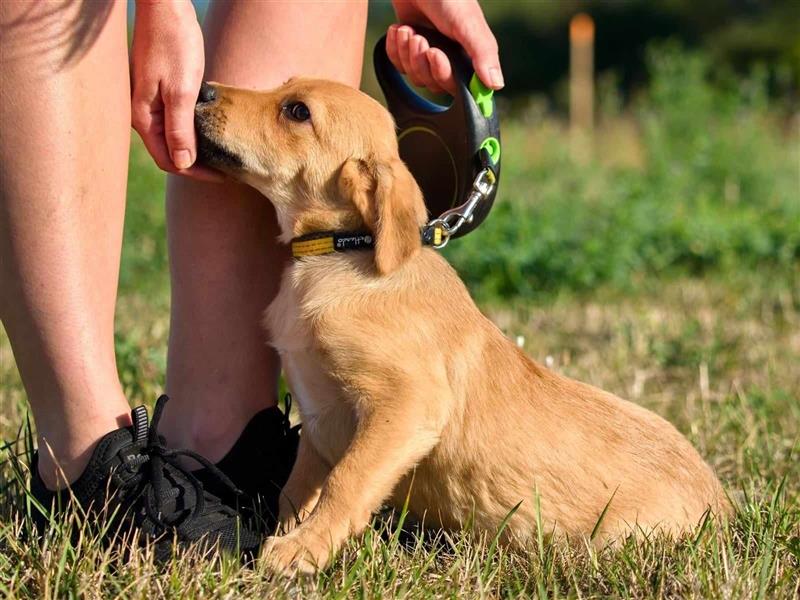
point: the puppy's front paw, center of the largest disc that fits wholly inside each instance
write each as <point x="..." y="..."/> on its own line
<point x="296" y="553"/>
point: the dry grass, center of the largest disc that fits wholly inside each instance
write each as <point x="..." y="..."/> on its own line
<point x="719" y="358"/>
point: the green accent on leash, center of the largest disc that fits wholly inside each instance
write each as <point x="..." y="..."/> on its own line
<point x="482" y="94"/>
<point x="492" y="146"/>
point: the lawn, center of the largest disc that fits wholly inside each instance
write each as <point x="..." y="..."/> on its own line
<point x="664" y="267"/>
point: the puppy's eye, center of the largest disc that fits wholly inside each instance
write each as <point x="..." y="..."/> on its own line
<point x="297" y="111"/>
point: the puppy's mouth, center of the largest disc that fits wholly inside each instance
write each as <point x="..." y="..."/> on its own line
<point x="210" y="151"/>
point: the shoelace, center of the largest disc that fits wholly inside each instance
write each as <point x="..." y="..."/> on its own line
<point x="153" y="451"/>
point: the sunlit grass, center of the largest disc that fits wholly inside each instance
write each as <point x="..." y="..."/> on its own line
<point x="716" y="357"/>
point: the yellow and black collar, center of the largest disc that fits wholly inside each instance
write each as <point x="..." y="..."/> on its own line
<point x="328" y="242"/>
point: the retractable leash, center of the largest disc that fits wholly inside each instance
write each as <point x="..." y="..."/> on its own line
<point x="452" y="151"/>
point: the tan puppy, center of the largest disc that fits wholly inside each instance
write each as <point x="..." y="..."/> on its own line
<point x="398" y="375"/>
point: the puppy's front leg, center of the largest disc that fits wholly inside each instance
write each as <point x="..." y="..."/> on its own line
<point x="302" y="490"/>
<point x="390" y="438"/>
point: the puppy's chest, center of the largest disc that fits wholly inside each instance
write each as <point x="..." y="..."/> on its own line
<point x="327" y="418"/>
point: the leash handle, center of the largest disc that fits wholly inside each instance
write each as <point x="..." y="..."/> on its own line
<point x="442" y="144"/>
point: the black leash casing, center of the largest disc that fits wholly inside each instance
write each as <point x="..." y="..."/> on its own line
<point x="445" y="147"/>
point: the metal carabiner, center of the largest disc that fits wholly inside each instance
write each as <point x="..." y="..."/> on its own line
<point x="452" y="220"/>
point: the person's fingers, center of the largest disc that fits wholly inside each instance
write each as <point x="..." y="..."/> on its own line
<point x="414" y="74"/>
<point x="473" y="33"/>
<point x="391" y="48"/>
<point x="179" y="102"/>
<point x="441" y="70"/>
<point x="147" y="118"/>
<point x="421" y="69"/>
<point x="404" y="33"/>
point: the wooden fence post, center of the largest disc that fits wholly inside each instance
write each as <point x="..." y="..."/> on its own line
<point x="581" y="83"/>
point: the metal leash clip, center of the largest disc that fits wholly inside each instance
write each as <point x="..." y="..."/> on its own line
<point x="450" y="221"/>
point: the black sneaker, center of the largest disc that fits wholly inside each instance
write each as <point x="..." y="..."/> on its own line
<point x="138" y="484"/>
<point x="259" y="464"/>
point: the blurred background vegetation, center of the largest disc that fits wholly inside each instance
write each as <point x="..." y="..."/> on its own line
<point x="734" y="34"/>
<point x="693" y="167"/>
<point x="695" y="175"/>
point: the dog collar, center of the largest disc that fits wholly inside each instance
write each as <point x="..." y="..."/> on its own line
<point x="328" y="242"/>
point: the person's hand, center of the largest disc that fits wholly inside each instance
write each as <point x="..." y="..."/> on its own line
<point x="429" y="67"/>
<point x="167" y="63"/>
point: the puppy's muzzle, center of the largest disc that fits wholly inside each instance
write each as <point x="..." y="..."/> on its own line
<point x="209" y="122"/>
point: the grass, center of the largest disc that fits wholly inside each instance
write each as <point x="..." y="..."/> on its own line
<point x="639" y="270"/>
<point x="717" y="357"/>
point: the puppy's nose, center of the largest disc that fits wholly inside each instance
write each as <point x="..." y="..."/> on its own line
<point x="207" y="93"/>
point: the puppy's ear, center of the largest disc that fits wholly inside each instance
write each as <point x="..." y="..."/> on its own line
<point x="390" y="202"/>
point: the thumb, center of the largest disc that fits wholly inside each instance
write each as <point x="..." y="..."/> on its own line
<point x="474" y="35"/>
<point x="179" y="126"/>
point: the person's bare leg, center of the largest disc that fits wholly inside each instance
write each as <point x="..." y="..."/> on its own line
<point x="225" y="261"/>
<point x="65" y="122"/>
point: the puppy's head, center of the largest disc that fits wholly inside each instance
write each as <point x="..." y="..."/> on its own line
<point x="326" y="156"/>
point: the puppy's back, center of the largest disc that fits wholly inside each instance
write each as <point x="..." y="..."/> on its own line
<point x="582" y="449"/>
<point x="517" y="429"/>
